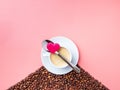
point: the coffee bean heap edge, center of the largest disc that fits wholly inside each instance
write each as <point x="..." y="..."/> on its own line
<point x="44" y="80"/>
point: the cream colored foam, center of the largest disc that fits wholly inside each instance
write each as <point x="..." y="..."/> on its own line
<point x="57" y="61"/>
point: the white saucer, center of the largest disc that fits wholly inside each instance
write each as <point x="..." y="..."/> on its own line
<point x="68" y="44"/>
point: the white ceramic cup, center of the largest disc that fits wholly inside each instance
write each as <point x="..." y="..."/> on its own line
<point x="57" y="62"/>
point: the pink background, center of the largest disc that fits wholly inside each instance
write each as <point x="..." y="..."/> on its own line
<point x="93" y="25"/>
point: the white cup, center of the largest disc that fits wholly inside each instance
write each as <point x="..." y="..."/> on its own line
<point x="57" y="62"/>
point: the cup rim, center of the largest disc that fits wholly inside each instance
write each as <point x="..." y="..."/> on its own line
<point x="62" y="66"/>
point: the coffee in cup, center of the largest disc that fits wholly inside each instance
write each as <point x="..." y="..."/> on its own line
<point x="59" y="62"/>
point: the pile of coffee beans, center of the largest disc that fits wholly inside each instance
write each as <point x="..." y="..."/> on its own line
<point x="44" y="80"/>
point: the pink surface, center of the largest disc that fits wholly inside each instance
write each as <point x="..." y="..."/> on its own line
<point x="93" y="25"/>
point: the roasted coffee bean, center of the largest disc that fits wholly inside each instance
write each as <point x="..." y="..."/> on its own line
<point x="44" y="80"/>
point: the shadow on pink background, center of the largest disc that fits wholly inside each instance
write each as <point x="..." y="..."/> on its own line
<point x="93" y="25"/>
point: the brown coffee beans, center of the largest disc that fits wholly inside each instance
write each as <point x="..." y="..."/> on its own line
<point x="44" y="80"/>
